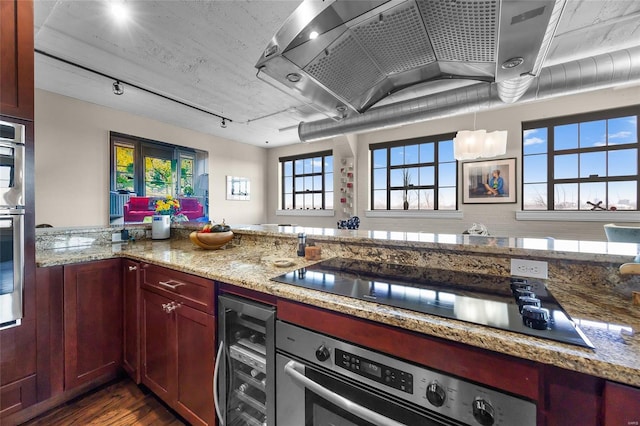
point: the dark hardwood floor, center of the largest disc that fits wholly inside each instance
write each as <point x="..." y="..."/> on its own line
<point x="119" y="404"/>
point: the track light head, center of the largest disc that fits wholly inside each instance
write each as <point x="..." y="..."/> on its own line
<point x="118" y="88"/>
<point x="223" y="123"/>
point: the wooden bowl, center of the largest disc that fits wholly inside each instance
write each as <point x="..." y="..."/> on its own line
<point x="210" y="240"/>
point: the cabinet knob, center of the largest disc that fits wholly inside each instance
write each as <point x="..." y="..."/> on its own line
<point x="170" y="307"/>
<point x="133" y="268"/>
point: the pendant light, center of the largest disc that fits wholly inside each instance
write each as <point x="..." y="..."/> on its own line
<point x="473" y="144"/>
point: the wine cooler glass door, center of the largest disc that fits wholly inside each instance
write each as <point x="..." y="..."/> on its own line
<point x="246" y="384"/>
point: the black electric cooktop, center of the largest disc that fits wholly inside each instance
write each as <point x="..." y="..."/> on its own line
<point x="514" y="304"/>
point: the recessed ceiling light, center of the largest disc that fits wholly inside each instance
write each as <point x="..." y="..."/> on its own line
<point x="294" y="77"/>
<point x="119" y="11"/>
<point x="313" y="35"/>
<point x="512" y="63"/>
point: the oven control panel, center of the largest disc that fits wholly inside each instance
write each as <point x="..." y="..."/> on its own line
<point x="376" y="371"/>
<point x="434" y="392"/>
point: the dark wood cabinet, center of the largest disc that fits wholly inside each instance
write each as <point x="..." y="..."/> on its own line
<point x="195" y="331"/>
<point x="50" y="331"/>
<point x="177" y="341"/>
<point x="16" y="58"/>
<point x="158" y="341"/>
<point x="92" y="321"/>
<point x="18" y="344"/>
<point x="131" y="318"/>
<point x="621" y="405"/>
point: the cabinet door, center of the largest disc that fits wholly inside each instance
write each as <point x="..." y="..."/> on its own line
<point x="195" y="362"/>
<point x="158" y="346"/>
<point x="621" y="405"/>
<point x="131" y="319"/>
<point x="16" y="51"/>
<point x="92" y="321"/>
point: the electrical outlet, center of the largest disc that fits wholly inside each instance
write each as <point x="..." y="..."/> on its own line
<point x="529" y="268"/>
<point x="116" y="237"/>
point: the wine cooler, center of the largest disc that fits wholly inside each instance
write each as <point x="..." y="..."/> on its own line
<point x="244" y="382"/>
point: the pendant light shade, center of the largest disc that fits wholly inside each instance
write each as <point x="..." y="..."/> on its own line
<point x="469" y="145"/>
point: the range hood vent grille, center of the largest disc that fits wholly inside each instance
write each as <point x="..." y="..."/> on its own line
<point x="396" y="39"/>
<point x="345" y="68"/>
<point x="462" y="31"/>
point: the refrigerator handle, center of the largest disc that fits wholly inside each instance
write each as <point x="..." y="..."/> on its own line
<point x="215" y="382"/>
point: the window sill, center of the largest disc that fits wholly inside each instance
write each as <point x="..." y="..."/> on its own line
<point x="580" y="216"/>
<point x="440" y="214"/>
<point x="317" y="213"/>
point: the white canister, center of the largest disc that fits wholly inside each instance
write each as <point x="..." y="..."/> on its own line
<point x="161" y="227"/>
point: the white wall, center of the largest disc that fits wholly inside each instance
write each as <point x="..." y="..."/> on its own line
<point x="72" y="162"/>
<point x="499" y="218"/>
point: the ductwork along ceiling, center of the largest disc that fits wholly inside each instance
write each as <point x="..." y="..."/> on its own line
<point x="345" y="57"/>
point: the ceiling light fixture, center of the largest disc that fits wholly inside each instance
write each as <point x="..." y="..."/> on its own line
<point x="118" y="88"/>
<point x="473" y="144"/>
<point x="223" y="124"/>
<point x="119" y="11"/>
<point x="119" y="84"/>
<point x="313" y="35"/>
<point x="512" y="63"/>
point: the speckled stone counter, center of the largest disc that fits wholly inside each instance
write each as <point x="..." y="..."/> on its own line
<point x="598" y="299"/>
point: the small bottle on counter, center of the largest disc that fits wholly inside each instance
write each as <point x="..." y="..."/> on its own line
<point x="302" y="243"/>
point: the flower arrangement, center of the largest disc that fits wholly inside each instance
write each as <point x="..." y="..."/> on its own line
<point x="168" y="206"/>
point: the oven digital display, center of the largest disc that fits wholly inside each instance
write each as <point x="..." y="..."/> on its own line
<point x="380" y="373"/>
<point x="372" y="369"/>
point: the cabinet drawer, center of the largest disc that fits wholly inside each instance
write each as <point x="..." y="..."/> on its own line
<point x="193" y="291"/>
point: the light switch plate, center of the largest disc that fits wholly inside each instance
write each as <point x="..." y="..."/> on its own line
<point x="116" y="237"/>
<point x="529" y="268"/>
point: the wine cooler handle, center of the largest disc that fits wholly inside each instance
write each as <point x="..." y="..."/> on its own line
<point x="295" y="371"/>
<point x="216" y="400"/>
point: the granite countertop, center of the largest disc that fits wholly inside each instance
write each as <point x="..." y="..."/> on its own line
<point x="615" y="357"/>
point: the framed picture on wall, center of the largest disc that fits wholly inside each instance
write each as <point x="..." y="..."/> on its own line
<point x="485" y="182"/>
<point x="238" y="188"/>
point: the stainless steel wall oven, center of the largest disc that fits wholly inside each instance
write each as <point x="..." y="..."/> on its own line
<point x="11" y="266"/>
<point x="12" y="164"/>
<point x="323" y="381"/>
<point x="12" y="200"/>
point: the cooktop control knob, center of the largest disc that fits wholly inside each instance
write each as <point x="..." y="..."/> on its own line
<point x="483" y="412"/>
<point x="535" y="317"/>
<point x="322" y="353"/>
<point x="435" y="394"/>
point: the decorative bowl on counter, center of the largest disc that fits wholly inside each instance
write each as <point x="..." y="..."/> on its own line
<point x="210" y="240"/>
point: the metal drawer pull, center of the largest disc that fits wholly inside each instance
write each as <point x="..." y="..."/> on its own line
<point x="133" y="268"/>
<point x="170" y="307"/>
<point x="171" y="286"/>
<point x="295" y="371"/>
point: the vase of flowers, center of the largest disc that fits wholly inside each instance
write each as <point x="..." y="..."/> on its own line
<point x="166" y="210"/>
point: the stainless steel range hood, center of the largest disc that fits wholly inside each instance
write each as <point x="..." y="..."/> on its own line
<point x="365" y="50"/>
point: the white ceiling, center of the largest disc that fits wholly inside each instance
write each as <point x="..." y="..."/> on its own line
<point x="203" y="53"/>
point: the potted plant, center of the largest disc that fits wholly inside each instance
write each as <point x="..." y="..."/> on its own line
<point x="406" y="181"/>
<point x="167" y="211"/>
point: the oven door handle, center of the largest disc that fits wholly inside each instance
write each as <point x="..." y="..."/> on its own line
<point x="295" y="371"/>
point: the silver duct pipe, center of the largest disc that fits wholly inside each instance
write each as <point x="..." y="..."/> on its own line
<point x="599" y="72"/>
